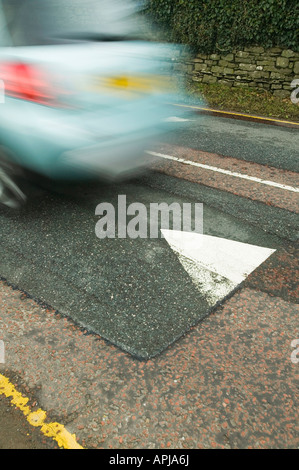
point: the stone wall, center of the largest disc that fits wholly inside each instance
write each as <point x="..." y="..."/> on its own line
<point x="272" y="69"/>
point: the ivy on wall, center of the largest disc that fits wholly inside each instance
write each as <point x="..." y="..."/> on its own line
<point x="213" y="25"/>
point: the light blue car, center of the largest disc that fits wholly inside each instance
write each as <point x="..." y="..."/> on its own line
<point x="82" y="93"/>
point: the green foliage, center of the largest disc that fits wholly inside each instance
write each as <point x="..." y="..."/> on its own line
<point x="213" y="25"/>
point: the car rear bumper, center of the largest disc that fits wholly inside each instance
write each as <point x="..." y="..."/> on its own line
<point x="80" y="145"/>
<point x="109" y="162"/>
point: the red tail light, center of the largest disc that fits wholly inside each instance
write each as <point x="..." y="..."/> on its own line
<point x="28" y="82"/>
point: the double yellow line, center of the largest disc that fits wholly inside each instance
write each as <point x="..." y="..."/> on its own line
<point x="37" y="418"/>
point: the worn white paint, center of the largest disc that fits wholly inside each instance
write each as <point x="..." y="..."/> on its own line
<point x="216" y="265"/>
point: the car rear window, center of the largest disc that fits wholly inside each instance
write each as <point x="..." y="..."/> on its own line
<point x="39" y="22"/>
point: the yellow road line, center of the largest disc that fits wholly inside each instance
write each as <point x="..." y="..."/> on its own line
<point x="37" y="418"/>
<point x="237" y="114"/>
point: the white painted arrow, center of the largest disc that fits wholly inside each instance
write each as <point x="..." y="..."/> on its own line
<point x="216" y="265"/>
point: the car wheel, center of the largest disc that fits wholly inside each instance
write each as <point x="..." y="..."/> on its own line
<point x="10" y="194"/>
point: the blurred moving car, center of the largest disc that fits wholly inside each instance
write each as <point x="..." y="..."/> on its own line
<point x="82" y="91"/>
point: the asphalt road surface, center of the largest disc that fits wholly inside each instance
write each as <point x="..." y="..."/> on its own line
<point x="250" y="141"/>
<point x="143" y="304"/>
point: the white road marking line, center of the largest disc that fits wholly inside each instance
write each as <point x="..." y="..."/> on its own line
<point x="215" y="265"/>
<point x="177" y="119"/>
<point x="226" y="172"/>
